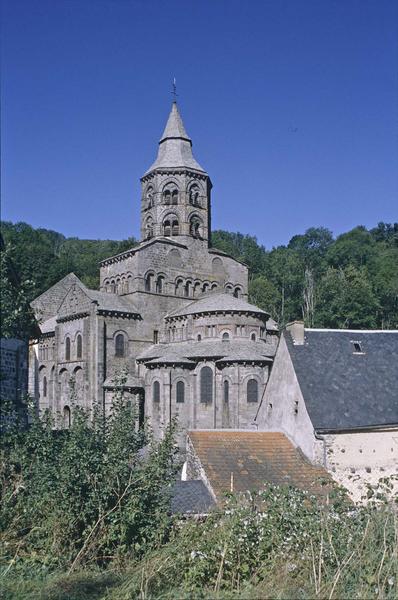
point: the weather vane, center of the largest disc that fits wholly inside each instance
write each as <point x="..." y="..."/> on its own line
<point x="174" y="91"/>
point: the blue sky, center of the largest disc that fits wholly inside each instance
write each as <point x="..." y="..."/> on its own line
<point x="292" y="106"/>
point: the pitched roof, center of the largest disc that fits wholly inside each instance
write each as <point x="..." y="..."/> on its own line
<point x="190" y="497"/>
<point x="237" y="348"/>
<point x="220" y="302"/>
<point x="112" y="302"/>
<point x="175" y="146"/>
<point x="247" y="460"/>
<point x="343" y="389"/>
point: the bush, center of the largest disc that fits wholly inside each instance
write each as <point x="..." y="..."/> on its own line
<point x="87" y="494"/>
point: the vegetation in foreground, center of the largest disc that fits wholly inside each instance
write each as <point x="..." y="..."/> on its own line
<point x="84" y="515"/>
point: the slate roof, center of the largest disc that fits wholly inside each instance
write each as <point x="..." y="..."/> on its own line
<point x="132" y="381"/>
<point x="217" y="303"/>
<point x="345" y="390"/>
<point x="175" y="146"/>
<point x="48" y="326"/>
<point x="237" y="349"/>
<point x="254" y="458"/>
<point x="190" y="498"/>
<point x="111" y="302"/>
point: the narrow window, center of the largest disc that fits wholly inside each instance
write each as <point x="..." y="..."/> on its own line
<point x="225" y="337"/>
<point x="175" y="229"/>
<point x="67" y="349"/>
<point x="253" y="337"/>
<point x="119" y="345"/>
<point x="167" y="228"/>
<point x="180" y="392"/>
<point x="44" y="386"/>
<point x="252" y="390"/>
<point x="159" y="285"/>
<point x="156" y="391"/>
<point x="174" y="197"/>
<point x="206" y="385"/>
<point x="199" y="338"/>
<point x="148" y="282"/>
<point x="79" y="346"/>
<point x="156" y="337"/>
<point x="66" y="417"/>
<point x="226" y="391"/>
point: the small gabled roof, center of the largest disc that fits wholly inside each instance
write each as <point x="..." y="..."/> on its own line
<point x="170" y="358"/>
<point x="215" y="303"/>
<point x="344" y="389"/>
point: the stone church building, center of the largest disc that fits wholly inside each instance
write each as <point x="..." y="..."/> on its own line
<point x="171" y="323"/>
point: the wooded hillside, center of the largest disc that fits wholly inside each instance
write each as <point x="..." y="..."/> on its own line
<point x="350" y="281"/>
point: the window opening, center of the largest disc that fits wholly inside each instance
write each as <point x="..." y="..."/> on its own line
<point x="67" y="349"/>
<point x="156" y="337"/>
<point x="119" y="345"/>
<point x="226" y="392"/>
<point x="44" y="386"/>
<point x="206" y="385"/>
<point x="79" y="346"/>
<point x="252" y="390"/>
<point x="156" y="391"/>
<point x="180" y="392"/>
<point x="225" y="337"/>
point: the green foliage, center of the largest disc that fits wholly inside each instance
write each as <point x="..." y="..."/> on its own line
<point x="87" y="494"/>
<point x="17" y="320"/>
<point x="45" y="256"/>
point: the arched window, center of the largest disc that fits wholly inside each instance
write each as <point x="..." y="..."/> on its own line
<point x="179" y="284"/>
<point x="252" y="390"/>
<point x="119" y="345"/>
<point x="194" y="195"/>
<point x="180" y="392"/>
<point x="148" y="282"/>
<point x="226" y="391"/>
<point x="253" y="337"/>
<point x="79" y="346"/>
<point x="205" y="287"/>
<point x="175" y="228"/>
<point x="159" y="285"/>
<point x="225" y="337"/>
<point x="187" y="288"/>
<point x="228" y="289"/>
<point x="156" y="391"/>
<point x="206" y="385"/>
<point x="167" y="228"/>
<point x="170" y="194"/>
<point x="67" y="348"/>
<point x="149" y="228"/>
<point x="66" y="417"/>
<point x="237" y="292"/>
<point x="149" y="197"/>
<point x="44" y="386"/>
<point x="199" y="338"/>
<point x="196" y="289"/>
<point x="195" y="227"/>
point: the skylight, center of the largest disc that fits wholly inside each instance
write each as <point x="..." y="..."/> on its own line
<point x="357" y="347"/>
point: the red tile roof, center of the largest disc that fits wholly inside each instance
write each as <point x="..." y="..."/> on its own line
<point x="252" y="458"/>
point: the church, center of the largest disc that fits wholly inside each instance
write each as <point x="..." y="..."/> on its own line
<point x="171" y="323"/>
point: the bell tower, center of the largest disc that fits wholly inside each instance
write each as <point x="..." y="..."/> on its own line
<point x="176" y="190"/>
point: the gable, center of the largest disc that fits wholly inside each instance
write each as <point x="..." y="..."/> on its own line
<point x="46" y="305"/>
<point x="75" y="302"/>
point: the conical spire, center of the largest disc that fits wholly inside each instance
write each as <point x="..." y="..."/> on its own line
<point x="175" y="146"/>
<point x="174" y="126"/>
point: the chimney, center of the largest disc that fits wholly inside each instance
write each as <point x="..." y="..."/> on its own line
<point x="296" y="330"/>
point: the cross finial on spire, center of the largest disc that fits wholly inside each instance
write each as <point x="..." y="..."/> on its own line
<point x="174" y="91"/>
